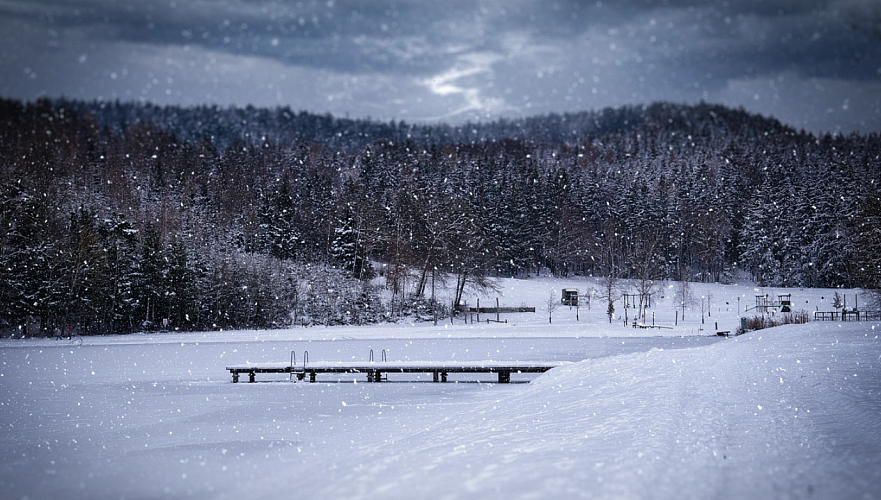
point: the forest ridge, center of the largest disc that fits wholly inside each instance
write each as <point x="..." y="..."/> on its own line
<point x="122" y="217"/>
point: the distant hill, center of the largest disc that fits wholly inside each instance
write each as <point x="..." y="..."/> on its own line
<point x="227" y="125"/>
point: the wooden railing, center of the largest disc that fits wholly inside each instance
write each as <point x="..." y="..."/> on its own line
<point x="847" y="315"/>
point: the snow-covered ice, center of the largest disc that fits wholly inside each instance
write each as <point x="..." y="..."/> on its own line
<point x="788" y="412"/>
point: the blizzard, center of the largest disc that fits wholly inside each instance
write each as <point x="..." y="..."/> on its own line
<point x="674" y="412"/>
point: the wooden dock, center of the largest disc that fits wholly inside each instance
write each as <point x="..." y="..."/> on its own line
<point x="377" y="370"/>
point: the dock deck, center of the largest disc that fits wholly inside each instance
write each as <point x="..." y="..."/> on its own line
<point x="374" y="370"/>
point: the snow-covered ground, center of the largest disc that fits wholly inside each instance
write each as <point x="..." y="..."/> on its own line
<point x="788" y="412"/>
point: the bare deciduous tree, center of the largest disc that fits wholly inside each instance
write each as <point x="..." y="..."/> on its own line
<point x="684" y="296"/>
<point x="551" y="304"/>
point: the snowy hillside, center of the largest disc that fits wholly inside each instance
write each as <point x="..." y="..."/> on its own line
<point x="788" y="412"/>
<point x="271" y="220"/>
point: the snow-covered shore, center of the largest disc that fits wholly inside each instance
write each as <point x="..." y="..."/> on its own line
<point x="787" y="412"/>
<point x="791" y="412"/>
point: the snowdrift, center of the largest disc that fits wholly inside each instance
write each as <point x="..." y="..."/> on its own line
<point x="790" y="412"/>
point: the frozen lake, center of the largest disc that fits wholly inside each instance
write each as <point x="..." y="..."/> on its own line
<point x="161" y="416"/>
<point x="673" y="413"/>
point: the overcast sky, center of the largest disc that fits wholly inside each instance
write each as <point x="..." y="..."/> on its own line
<point x="453" y="60"/>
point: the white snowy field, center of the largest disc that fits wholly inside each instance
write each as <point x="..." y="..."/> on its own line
<point x="788" y="412"/>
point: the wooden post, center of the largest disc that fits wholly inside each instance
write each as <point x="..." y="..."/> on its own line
<point x="677" y="318"/>
<point x="497" y="310"/>
<point x="478" y="310"/>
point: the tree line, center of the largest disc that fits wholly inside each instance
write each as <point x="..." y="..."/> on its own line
<point x="122" y="217"/>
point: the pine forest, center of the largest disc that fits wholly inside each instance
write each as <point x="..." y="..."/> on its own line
<point x="127" y="217"/>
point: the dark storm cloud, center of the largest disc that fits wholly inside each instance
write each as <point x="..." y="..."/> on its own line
<point x="340" y="35"/>
<point x="797" y="60"/>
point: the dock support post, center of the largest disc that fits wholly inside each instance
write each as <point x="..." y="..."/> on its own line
<point x="235" y="377"/>
<point x="504" y="377"/>
<point x="251" y="376"/>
